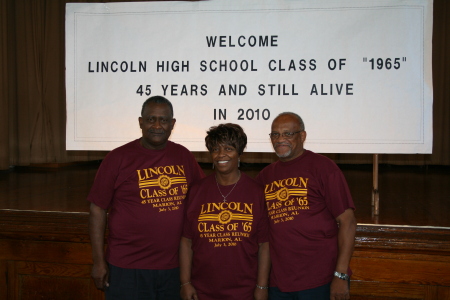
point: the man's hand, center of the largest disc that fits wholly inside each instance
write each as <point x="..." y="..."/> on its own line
<point x="339" y="289"/>
<point x="97" y="225"/>
<point x="346" y="239"/>
<point x="100" y="274"/>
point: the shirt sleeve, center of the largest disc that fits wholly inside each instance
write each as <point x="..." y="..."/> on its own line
<point x="263" y="224"/>
<point x="102" y="191"/>
<point x="196" y="171"/>
<point x="187" y="228"/>
<point x="338" y="197"/>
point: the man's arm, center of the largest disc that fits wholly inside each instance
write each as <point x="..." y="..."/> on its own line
<point x="187" y="291"/>
<point x="97" y="227"/>
<point x="346" y="241"/>
<point x="263" y="272"/>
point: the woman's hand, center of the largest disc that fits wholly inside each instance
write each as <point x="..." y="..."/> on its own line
<point x="261" y="294"/>
<point x="188" y="292"/>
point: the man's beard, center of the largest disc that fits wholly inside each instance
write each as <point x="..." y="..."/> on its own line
<point x="286" y="154"/>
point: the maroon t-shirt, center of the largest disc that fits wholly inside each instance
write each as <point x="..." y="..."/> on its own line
<point x="144" y="191"/>
<point x="304" y="197"/>
<point x="225" y="237"/>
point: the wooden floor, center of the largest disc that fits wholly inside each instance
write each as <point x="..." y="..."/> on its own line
<point x="409" y="195"/>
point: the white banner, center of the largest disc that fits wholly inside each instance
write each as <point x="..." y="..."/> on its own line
<point x="358" y="72"/>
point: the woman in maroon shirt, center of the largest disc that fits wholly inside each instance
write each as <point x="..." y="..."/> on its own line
<point x="224" y="246"/>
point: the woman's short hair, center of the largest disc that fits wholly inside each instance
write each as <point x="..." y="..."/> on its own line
<point x="226" y="134"/>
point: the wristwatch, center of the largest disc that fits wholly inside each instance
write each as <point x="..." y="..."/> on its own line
<point x="342" y="276"/>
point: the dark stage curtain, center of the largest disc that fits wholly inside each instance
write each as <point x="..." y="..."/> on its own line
<point x="32" y="90"/>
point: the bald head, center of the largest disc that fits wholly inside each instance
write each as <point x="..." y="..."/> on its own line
<point x="297" y="117"/>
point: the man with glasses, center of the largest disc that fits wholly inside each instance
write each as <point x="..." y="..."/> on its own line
<point x="312" y="223"/>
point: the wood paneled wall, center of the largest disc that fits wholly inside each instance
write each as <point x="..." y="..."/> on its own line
<point x="401" y="263"/>
<point x="46" y="255"/>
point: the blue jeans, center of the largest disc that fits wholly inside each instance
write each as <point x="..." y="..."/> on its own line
<point x="136" y="284"/>
<point x="318" y="293"/>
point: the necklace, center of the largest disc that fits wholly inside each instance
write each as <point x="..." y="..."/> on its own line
<point x="225" y="197"/>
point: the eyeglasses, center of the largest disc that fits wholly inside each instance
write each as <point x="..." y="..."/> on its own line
<point x="286" y="135"/>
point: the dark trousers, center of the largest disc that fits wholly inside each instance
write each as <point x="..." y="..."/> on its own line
<point x="137" y="284"/>
<point x="318" y="293"/>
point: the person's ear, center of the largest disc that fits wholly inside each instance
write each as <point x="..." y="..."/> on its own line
<point x="303" y="136"/>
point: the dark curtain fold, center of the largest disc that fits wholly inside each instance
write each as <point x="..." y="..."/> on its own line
<point x="36" y="86"/>
<point x="4" y="126"/>
<point x="441" y="82"/>
<point x="32" y="90"/>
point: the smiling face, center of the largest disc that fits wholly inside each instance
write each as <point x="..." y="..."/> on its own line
<point x="156" y="123"/>
<point x="288" y="148"/>
<point x="225" y="159"/>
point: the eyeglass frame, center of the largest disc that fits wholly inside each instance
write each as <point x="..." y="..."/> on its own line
<point x="286" y="135"/>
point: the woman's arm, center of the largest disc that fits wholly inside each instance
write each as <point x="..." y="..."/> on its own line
<point x="262" y="282"/>
<point x="187" y="291"/>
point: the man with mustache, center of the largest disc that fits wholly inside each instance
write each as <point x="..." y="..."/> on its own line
<point x="142" y="185"/>
<point x="312" y="223"/>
